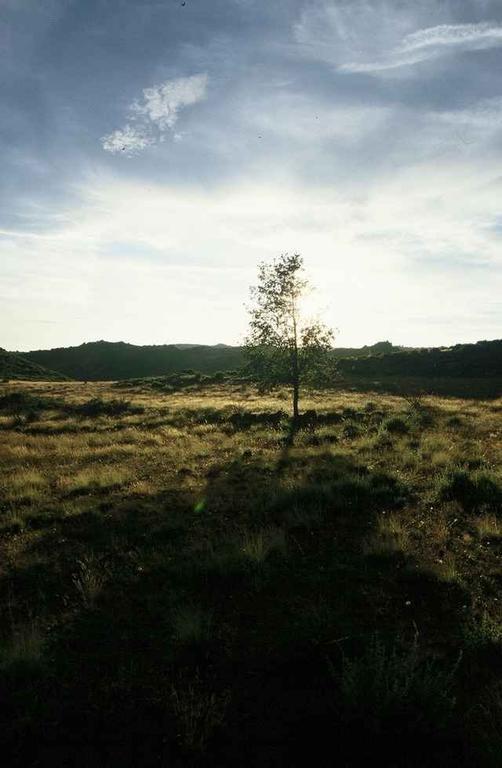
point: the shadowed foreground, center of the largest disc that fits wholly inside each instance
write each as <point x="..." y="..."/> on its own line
<point x="184" y="581"/>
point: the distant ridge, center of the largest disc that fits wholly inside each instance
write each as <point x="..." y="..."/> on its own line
<point x="14" y="367"/>
<point x="480" y="360"/>
<point x="109" y="361"/>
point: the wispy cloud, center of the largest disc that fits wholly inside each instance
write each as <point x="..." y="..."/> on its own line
<point x="156" y="114"/>
<point x="379" y="36"/>
<point x="432" y="42"/>
<point x="129" y="139"/>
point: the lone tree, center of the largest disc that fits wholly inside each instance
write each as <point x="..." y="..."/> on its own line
<point x="283" y="346"/>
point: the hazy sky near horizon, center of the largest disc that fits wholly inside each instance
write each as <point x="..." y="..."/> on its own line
<point x="154" y="151"/>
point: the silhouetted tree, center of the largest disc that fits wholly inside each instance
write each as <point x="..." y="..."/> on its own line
<point x="283" y="346"/>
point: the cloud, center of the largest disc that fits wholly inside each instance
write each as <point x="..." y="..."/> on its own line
<point x="162" y="103"/>
<point x="156" y="114"/>
<point x="432" y="42"/>
<point x="379" y="36"/>
<point x="482" y="35"/>
<point x="128" y="140"/>
<point x="419" y="243"/>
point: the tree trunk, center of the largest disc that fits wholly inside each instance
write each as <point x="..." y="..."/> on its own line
<point x="296" y="370"/>
<point x="296" y="397"/>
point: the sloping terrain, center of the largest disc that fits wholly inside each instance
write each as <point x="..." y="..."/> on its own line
<point x="108" y="361"/>
<point x="483" y="359"/>
<point x="17" y="367"/>
<point x="188" y="581"/>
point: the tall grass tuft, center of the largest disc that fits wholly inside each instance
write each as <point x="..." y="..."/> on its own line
<point x="199" y="711"/>
<point x="390" y="688"/>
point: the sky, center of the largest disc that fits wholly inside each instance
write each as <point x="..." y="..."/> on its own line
<point x="155" y="151"/>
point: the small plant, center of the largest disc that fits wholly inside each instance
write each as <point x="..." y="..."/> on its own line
<point x="395" y="425"/>
<point x="471" y="490"/>
<point x="393" y="688"/>
<point x="26" y="485"/>
<point x="419" y="412"/>
<point x="483" y="630"/>
<point x="192" y="625"/>
<point x="484" y="723"/>
<point x="257" y="546"/>
<point x="391" y="536"/>
<point x="199" y="711"/>
<point x="97" y="407"/>
<point x="89" y="579"/>
<point x="24" y="647"/>
<point x="23" y="403"/>
<point x="488" y="526"/>
<point x="447" y="570"/>
<point x="350" y="431"/>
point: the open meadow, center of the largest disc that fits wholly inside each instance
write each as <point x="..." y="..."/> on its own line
<point x="185" y="579"/>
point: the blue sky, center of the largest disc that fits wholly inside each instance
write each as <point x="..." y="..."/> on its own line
<point x="153" y="153"/>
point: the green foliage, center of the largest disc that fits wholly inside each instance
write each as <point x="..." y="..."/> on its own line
<point x="391" y="688"/>
<point x="97" y="407"/>
<point x="25" y="403"/>
<point x="111" y="361"/>
<point x="283" y="347"/>
<point x="483" y="360"/>
<point x="475" y="490"/>
<point x="192" y="624"/>
<point x="395" y="425"/>
<point x="14" y="367"/>
<point x="199" y="711"/>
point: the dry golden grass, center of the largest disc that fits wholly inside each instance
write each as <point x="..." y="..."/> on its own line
<point x="174" y="538"/>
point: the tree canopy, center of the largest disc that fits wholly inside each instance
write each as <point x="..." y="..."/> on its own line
<point x="283" y="345"/>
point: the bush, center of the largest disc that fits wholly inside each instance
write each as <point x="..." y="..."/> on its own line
<point x="472" y="491"/>
<point x="97" y="407"/>
<point x="391" y="689"/>
<point x="395" y="425"/>
<point x="351" y="431"/>
<point x="199" y="711"/>
<point x="19" y="403"/>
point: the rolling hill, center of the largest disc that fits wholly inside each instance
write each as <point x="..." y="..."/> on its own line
<point x="109" y="361"/>
<point x="480" y="360"/>
<point x="19" y="368"/>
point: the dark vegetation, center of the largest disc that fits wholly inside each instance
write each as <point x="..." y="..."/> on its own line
<point x="481" y="360"/>
<point x="283" y="345"/>
<point x="184" y="380"/>
<point x="466" y="370"/>
<point x="188" y="579"/>
<point x="107" y="361"/>
<point x="17" y="367"/>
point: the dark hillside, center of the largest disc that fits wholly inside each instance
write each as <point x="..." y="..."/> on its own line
<point x="17" y="367"/>
<point x="108" y="361"/>
<point x="481" y="360"/>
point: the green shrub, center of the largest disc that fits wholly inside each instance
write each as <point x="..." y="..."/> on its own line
<point x="192" y="625"/>
<point x="97" y="407"/>
<point x="395" y="425"/>
<point x="22" y="403"/>
<point x="472" y="491"/>
<point x="351" y="431"/>
<point x="199" y="711"/>
<point x="393" y="689"/>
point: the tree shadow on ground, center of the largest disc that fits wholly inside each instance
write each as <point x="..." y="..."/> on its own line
<point x="275" y="568"/>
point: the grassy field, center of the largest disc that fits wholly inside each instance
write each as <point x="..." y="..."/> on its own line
<point x="187" y="581"/>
